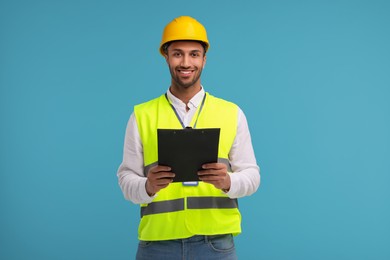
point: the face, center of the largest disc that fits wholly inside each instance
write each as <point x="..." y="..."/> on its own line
<point x="186" y="60"/>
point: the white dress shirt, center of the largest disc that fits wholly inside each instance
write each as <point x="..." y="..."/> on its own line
<point x="245" y="176"/>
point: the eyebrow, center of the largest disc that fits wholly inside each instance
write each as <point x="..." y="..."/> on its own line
<point x="183" y="51"/>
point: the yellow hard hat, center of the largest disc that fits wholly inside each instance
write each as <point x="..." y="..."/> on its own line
<point x="184" y="28"/>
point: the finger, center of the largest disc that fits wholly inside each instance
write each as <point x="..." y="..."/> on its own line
<point x="209" y="178"/>
<point x="212" y="172"/>
<point x="163" y="182"/>
<point x="164" y="175"/>
<point x="157" y="181"/>
<point x="216" y="166"/>
<point x="160" y="168"/>
<point x="205" y="174"/>
<point x="209" y="166"/>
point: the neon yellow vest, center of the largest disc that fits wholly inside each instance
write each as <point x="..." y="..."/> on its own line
<point x="183" y="211"/>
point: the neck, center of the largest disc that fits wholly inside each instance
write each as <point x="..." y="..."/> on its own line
<point x="185" y="94"/>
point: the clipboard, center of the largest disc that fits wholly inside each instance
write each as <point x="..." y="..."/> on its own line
<point x="186" y="150"/>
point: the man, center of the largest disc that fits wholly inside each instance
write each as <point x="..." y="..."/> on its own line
<point x="182" y="220"/>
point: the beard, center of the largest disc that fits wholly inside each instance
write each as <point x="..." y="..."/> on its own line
<point x="187" y="84"/>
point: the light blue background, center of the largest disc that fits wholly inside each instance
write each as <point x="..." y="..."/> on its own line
<point x="313" y="78"/>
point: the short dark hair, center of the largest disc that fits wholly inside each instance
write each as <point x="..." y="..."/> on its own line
<point x="165" y="46"/>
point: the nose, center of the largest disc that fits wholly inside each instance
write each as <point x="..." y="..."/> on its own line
<point x="185" y="62"/>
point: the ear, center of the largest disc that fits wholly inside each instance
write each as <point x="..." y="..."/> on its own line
<point x="204" y="60"/>
<point x="166" y="58"/>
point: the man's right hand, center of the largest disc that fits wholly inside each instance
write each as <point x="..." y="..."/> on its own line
<point x="158" y="178"/>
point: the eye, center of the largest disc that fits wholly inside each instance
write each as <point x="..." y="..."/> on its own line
<point x="177" y="54"/>
<point x="195" y="54"/>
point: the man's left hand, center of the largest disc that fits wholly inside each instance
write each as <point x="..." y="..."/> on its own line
<point x="215" y="174"/>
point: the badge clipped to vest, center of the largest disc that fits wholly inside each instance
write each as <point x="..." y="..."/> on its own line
<point x="186" y="150"/>
<point x="190" y="183"/>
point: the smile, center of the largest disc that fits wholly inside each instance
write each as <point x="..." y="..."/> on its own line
<point x="185" y="72"/>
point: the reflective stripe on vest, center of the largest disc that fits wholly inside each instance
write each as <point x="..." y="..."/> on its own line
<point x="192" y="203"/>
<point x="162" y="207"/>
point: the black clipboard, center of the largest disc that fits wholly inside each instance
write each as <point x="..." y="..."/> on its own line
<point x="186" y="150"/>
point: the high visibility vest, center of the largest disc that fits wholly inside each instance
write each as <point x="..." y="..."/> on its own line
<point x="180" y="211"/>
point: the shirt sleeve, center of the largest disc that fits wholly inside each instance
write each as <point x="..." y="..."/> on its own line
<point x="245" y="176"/>
<point x="130" y="173"/>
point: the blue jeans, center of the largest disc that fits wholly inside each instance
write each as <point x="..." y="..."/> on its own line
<point x="193" y="248"/>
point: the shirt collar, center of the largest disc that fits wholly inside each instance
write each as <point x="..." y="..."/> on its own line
<point x="194" y="101"/>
